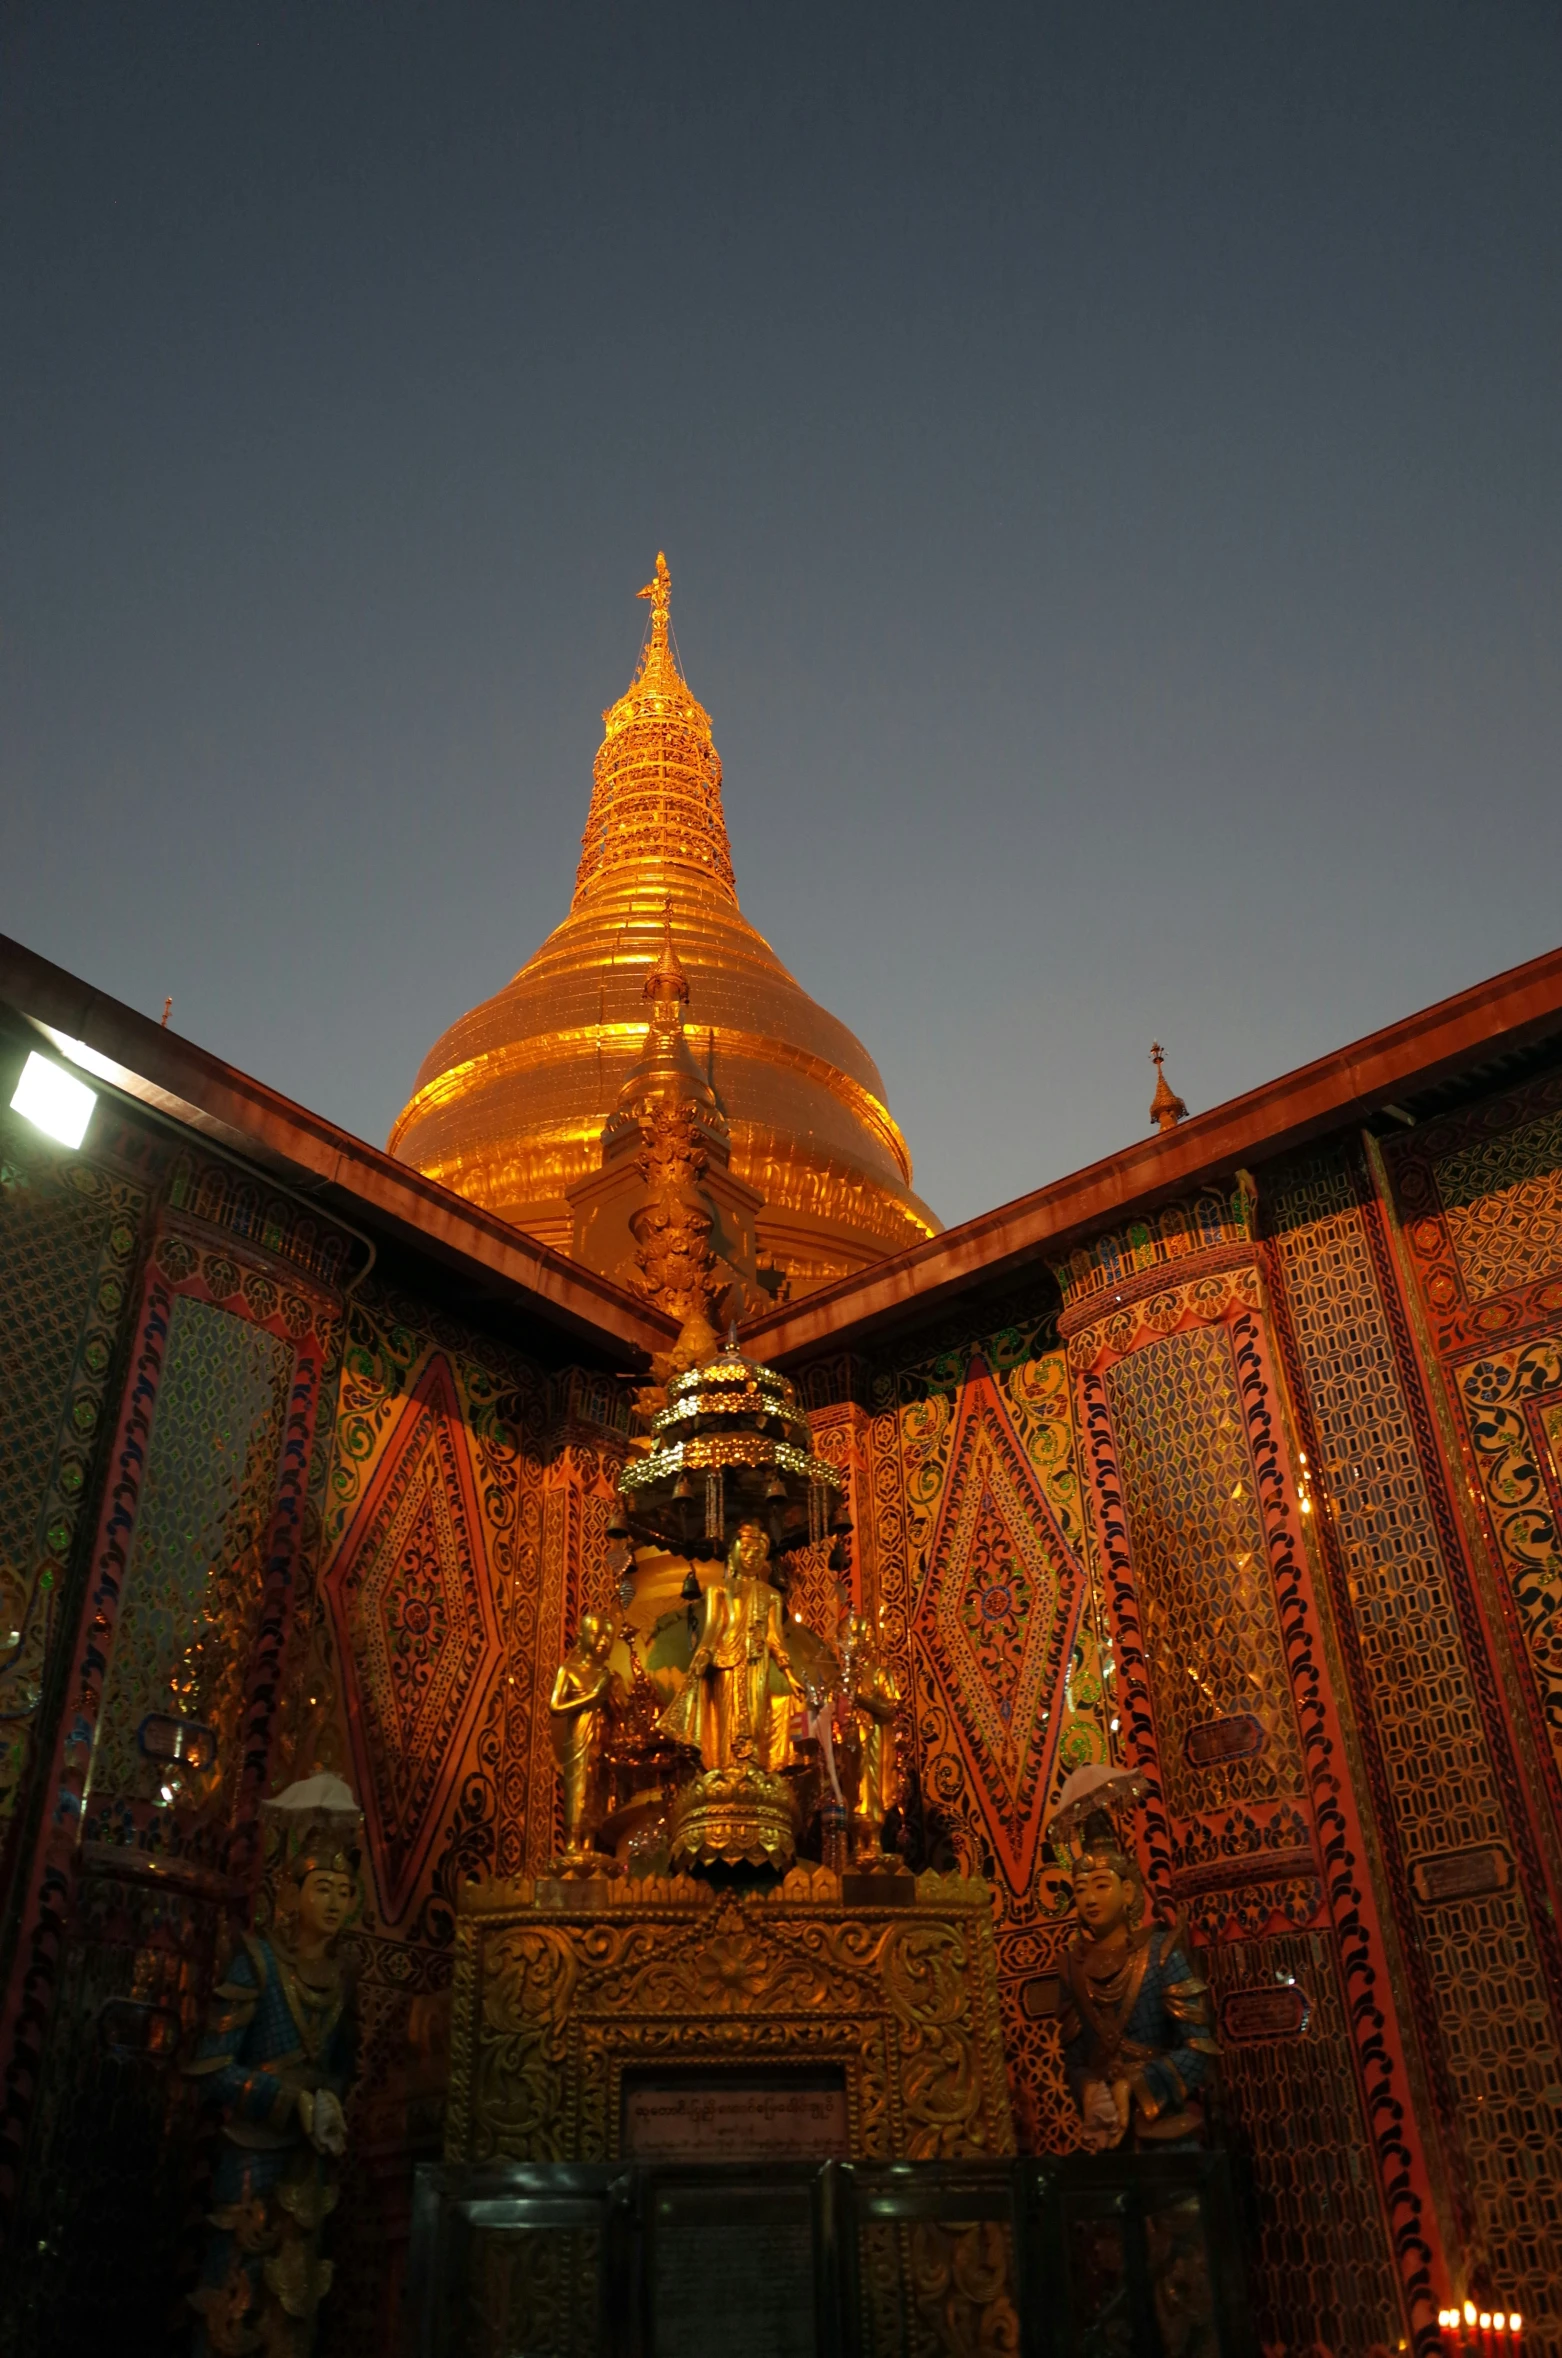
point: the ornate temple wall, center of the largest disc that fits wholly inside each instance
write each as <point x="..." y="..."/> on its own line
<point x="1270" y="1509"/>
<point x="172" y="1328"/>
<point x="1271" y="1480"/>
<point x="973" y="1540"/>
<point x="464" y="1530"/>
<point x="252" y="1492"/>
<point x="1419" y="1283"/>
<point x="1230" y="1700"/>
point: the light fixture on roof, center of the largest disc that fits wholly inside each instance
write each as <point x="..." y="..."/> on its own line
<point x="53" y="1100"/>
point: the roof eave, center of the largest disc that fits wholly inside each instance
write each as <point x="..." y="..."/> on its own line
<point x="1511" y="1011"/>
<point x="365" y="1187"/>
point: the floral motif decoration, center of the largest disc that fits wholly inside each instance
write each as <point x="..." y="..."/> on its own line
<point x="1513" y="1402"/>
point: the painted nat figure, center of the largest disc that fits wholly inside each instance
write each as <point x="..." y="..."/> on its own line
<point x="1138" y="2039"/>
<point x="277" y="2058"/>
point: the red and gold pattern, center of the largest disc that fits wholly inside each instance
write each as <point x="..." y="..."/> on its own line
<point x="412" y="1596"/>
<point x="996" y="1622"/>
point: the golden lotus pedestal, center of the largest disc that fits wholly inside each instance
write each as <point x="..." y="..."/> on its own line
<point x="734" y="1817"/>
<point x="662" y="2019"/>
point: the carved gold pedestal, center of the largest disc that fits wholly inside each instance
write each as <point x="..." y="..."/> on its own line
<point x="568" y="1996"/>
<point x="734" y="1817"/>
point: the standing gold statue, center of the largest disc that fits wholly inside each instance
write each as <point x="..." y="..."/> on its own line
<point x="736" y="1704"/>
<point x="735" y="1710"/>
<point x="873" y="1693"/>
<point x="578" y="1709"/>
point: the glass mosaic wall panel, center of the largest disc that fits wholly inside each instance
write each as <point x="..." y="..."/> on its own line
<point x="67" y="1242"/>
<point x="194" y="1580"/>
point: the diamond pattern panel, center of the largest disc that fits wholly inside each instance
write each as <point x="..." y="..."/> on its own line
<point x="1502" y="1198"/>
<point x="997" y="1618"/>
<point x="1212" y="1634"/>
<point x="410" y="1596"/>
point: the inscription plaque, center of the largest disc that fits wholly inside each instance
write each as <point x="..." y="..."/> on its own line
<point x="1461" y="1874"/>
<point x="1280" y="2012"/>
<point x="732" y="2272"/>
<point x="735" y="2116"/>
<point x="1215" y="1741"/>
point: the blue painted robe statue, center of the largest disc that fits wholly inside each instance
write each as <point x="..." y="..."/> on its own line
<point x="277" y="2056"/>
<point x="1138" y="2044"/>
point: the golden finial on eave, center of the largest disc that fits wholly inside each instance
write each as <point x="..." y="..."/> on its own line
<point x="660" y="593"/>
<point x="1166" y="1107"/>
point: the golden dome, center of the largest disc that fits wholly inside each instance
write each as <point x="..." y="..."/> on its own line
<point x="509" y="1106"/>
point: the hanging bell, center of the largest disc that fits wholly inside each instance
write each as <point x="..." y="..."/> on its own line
<point x="775" y="1487"/>
<point x="683" y="1488"/>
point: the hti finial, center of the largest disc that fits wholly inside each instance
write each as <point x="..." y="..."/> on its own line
<point x="660" y="593"/>
<point x="1166" y="1107"/>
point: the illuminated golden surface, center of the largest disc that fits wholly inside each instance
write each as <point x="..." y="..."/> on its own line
<point x="509" y="1105"/>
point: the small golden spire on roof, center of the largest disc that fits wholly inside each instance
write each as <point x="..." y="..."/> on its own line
<point x="1166" y="1107"/>
<point x="660" y="593"/>
<point x="666" y="979"/>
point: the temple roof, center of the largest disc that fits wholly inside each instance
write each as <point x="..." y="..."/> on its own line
<point x="1481" y="1039"/>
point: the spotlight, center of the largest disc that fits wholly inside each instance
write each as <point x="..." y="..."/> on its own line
<point x="54" y="1101"/>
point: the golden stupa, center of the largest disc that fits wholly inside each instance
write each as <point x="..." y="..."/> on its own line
<point x="509" y="1105"/>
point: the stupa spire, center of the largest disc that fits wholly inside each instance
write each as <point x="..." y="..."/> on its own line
<point x="1166" y="1107"/>
<point x="660" y="592"/>
<point x="656" y="782"/>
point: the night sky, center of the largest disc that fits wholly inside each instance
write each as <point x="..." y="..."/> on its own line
<point x="1110" y="460"/>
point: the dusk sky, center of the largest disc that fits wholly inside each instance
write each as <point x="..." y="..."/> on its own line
<point x="1109" y="457"/>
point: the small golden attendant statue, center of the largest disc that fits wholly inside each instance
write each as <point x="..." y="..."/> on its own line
<point x="874" y="1697"/>
<point x="735" y="1710"/>
<point x="277" y="2055"/>
<point x="1138" y="2044"/>
<point x="578" y="1716"/>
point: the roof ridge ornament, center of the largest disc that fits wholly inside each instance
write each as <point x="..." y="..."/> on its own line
<point x="1166" y="1107"/>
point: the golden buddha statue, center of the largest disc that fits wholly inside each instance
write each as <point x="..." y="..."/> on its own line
<point x="578" y="1719"/>
<point x="735" y="1711"/>
<point x="510" y="1105"/>
<point x="736" y="1703"/>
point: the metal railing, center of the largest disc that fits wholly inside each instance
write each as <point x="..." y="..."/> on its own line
<point x="1091" y="2256"/>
